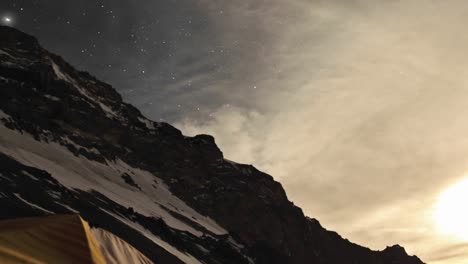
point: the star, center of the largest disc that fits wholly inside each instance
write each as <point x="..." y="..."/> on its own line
<point x="7" y="20"/>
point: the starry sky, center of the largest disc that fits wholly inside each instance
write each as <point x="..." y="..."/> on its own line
<point x="358" y="107"/>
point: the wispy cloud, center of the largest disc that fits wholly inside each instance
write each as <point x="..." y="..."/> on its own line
<point x="358" y="108"/>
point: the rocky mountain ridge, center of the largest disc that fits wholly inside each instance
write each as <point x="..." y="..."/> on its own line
<point x="69" y="143"/>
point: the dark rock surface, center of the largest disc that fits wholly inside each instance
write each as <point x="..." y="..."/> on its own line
<point x="45" y="98"/>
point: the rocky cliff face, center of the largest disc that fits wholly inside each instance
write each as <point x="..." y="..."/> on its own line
<point x="68" y="143"/>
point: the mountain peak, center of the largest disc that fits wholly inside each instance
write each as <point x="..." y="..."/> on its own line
<point x="397" y="254"/>
<point x="15" y="39"/>
<point x="395" y="248"/>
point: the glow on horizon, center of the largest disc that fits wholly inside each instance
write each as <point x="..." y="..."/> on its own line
<point x="450" y="212"/>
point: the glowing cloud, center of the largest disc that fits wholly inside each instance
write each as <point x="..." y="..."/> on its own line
<point x="450" y="212"/>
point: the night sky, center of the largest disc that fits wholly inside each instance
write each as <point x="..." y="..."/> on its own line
<point x="160" y="55"/>
<point x="358" y="107"/>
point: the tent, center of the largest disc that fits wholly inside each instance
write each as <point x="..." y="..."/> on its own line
<point x="62" y="239"/>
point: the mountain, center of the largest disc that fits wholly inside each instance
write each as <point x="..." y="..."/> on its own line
<point x="70" y="144"/>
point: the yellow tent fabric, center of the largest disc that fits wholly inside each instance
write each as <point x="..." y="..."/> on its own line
<point x="52" y="239"/>
<point x="57" y="239"/>
<point x="116" y="250"/>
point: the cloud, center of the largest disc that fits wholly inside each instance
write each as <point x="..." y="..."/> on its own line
<point x="359" y="110"/>
<point x="454" y="253"/>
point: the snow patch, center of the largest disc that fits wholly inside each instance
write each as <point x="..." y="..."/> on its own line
<point x="67" y="140"/>
<point x="108" y="111"/>
<point x="31" y="204"/>
<point x="51" y="97"/>
<point x="3" y="52"/>
<point x="55" y="195"/>
<point x="204" y="250"/>
<point x="149" y="124"/>
<point x="29" y="175"/>
<point x="62" y="76"/>
<point x="12" y="61"/>
<point x="65" y="77"/>
<point x="5" y="178"/>
<point x="67" y="207"/>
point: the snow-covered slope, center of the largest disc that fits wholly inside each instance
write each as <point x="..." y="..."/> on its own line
<point x="146" y="194"/>
<point x="69" y="144"/>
